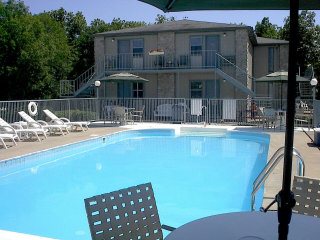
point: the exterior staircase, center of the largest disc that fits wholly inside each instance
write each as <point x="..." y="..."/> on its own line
<point x="83" y="85"/>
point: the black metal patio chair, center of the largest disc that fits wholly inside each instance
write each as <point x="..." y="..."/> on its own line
<point x="126" y="214"/>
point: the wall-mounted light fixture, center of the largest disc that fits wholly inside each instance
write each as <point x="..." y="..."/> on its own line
<point x="224" y="34"/>
<point x="97" y="84"/>
<point x="313" y="83"/>
<point x="113" y="39"/>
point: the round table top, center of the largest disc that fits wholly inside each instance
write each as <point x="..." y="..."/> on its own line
<point x="246" y="226"/>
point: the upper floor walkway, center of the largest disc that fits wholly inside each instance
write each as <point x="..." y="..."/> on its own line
<point x="159" y="62"/>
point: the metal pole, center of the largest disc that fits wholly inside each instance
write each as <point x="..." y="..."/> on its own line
<point x="285" y="198"/>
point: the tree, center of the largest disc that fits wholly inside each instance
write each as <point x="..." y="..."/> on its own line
<point x="267" y="29"/>
<point x="162" y="19"/>
<point x="34" y="54"/>
<point x="74" y="24"/>
<point x="308" y="41"/>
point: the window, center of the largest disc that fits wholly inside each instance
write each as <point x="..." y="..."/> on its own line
<point x="137" y="47"/>
<point x="137" y="90"/>
<point x="196" y="89"/>
<point x="271" y="59"/>
<point x="195" y="45"/>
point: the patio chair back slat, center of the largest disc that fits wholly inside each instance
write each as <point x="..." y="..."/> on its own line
<point x="307" y="195"/>
<point x="129" y="213"/>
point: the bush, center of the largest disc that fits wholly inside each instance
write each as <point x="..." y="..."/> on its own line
<point x="77" y="115"/>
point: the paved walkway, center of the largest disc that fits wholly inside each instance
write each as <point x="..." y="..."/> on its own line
<point x="302" y="142"/>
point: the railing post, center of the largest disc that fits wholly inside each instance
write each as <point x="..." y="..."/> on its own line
<point x="69" y="108"/>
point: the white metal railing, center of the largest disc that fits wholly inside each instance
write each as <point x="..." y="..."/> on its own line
<point x="214" y="111"/>
<point x="272" y="163"/>
<point x="131" y="62"/>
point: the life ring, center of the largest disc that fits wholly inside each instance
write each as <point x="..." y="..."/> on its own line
<point x="32" y="108"/>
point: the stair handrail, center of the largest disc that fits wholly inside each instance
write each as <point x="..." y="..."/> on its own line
<point x="272" y="163"/>
<point x="94" y="71"/>
<point x="236" y="66"/>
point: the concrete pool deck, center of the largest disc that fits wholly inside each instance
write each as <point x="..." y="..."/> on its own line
<point x="309" y="152"/>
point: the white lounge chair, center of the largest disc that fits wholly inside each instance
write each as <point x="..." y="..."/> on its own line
<point x="33" y="124"/>
<point x="6" y="137"/>
<point x="17" y="131"/>
<point x="65" y="121"/>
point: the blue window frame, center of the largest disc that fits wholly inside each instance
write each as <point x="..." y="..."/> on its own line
<point x="137" y="47"/>
<point x="195" y="45"/>
<point x="196" y="89"/>
<point x="271" y="59"/>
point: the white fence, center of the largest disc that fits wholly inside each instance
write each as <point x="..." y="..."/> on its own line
<point x="177" y="110"/>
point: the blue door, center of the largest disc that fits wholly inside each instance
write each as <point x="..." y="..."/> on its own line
<point x="124" y="90"/>
<point x="212" y="89"/>
<point x="212" y="47"/>
<point x="124" y="54"/>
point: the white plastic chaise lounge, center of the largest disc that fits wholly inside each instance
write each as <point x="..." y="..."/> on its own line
<point x="65" y="121"/>
<point x="33" y="124"/>
<point x="6" y="137"/>
<point x="17" y="131"/>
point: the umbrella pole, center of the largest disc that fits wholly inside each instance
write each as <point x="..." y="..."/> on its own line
<point x="285" y="198"/>
<point x="281" y="95"/>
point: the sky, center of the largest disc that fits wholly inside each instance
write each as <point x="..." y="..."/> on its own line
<point x="133" y="10"/>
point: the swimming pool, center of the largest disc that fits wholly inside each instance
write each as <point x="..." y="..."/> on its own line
<point x="193" y="175"/>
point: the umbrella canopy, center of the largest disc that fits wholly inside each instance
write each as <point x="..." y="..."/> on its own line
<point x="280" y="76"/>
<point x="124" y="77"/>
<point x="188" y="5"/>
<point x="285" y="198"/>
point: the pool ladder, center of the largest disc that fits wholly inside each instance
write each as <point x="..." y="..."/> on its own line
<point x="273" y="162"/>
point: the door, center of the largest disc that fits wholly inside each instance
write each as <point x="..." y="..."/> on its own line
<point x="124" y="89"/>
<point x="212" y="89"/>
<point x="212" y="47"/>
<point x="124" y="54"/>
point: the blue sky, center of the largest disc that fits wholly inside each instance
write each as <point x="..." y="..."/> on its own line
<point x="133" y="10"/>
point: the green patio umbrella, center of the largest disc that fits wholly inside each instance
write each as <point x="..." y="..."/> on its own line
<point x="192" y="5"/>
<point x="279" y="77"/>
<point x="285" y="198"/>
<point x="123" y="78"/>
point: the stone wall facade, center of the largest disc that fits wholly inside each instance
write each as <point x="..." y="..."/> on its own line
<point x="166" y="41"/>
<point x="284" y="56"/>
<point x="242" y="49"/>
<point x="166" y="85"/>
<point x="166" y="81"/>
<point x="98" y="48"/>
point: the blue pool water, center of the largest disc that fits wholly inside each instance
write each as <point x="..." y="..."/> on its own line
<point x="192" y="177"/>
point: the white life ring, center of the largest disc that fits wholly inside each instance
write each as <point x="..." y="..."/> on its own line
<point x="32" y="108"/>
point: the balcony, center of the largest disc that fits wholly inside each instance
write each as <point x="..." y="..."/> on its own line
<point x="166" y="62"/>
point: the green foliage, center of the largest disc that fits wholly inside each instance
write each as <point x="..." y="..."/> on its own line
<point x="34" y="53"/>
<point x="308" y="41"/>
<point x="267" y="29"/>
<point x="77" y="115"/>
<point x="73" y="24"/>
<point x="162" y="19"/>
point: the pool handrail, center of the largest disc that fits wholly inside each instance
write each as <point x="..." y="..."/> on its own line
<point x="272" y="163"/>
